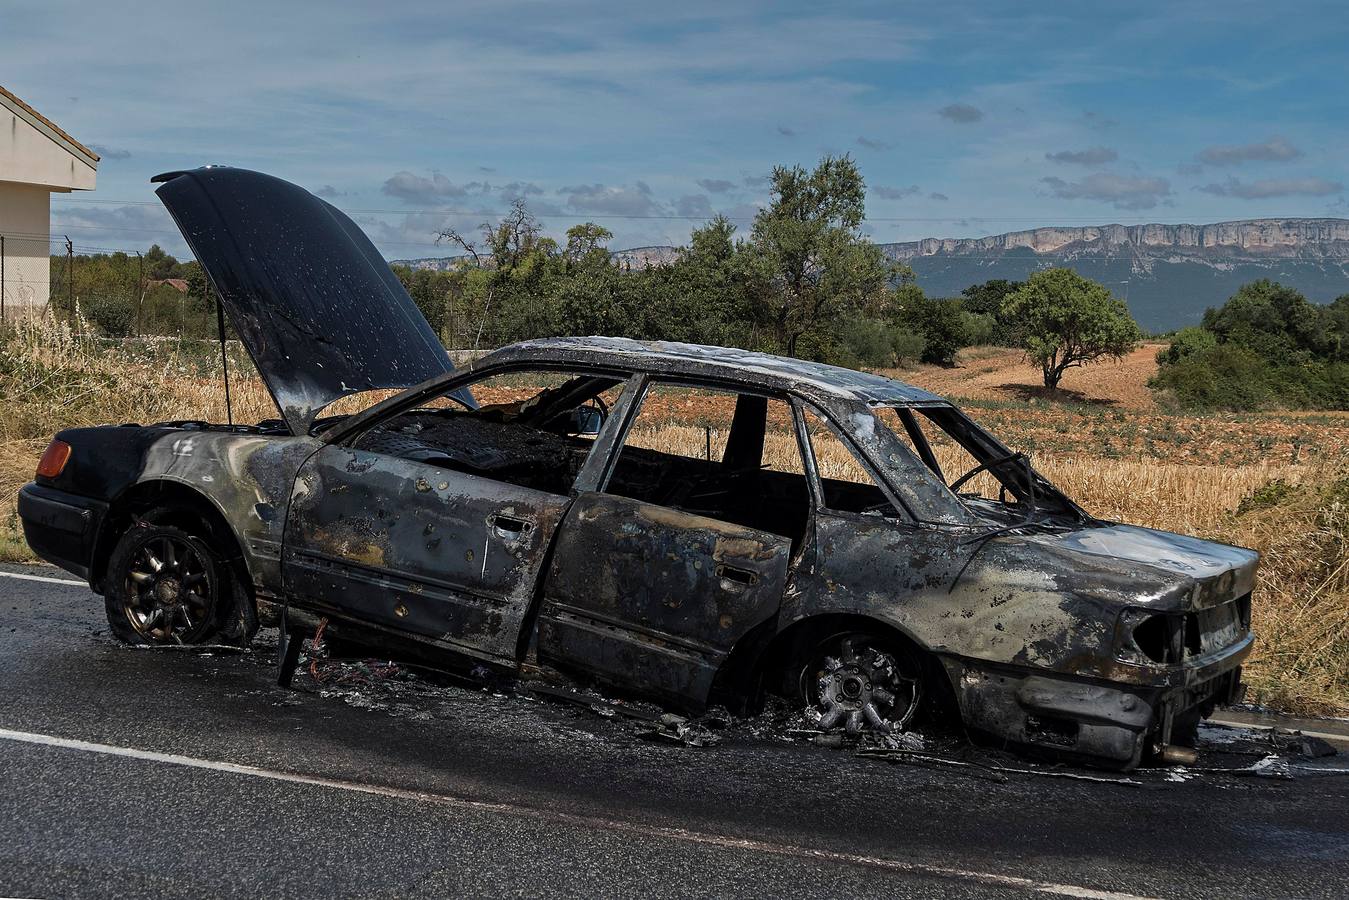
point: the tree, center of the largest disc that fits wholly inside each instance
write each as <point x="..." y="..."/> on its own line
<point x="1070" y="321"/>
<point x="517" y="257"/>
<point x="588" y="244"/>
<point x="938" y="320"/>
<point x="709" y="294"/>
<point x="1275" y="321"/>
<point x="986" y="300"/>
<point x="816" y="263"/>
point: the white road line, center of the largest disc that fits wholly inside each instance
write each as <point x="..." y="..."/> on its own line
<point x="710" y="839"/>
<point x="1330" y="736"/>
<point x="43" y="578"/>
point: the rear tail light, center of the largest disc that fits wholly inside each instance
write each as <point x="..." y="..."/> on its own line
<point x="53" y="459"/>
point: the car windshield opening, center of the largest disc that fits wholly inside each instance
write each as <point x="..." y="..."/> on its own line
<point x="986" y="476"/>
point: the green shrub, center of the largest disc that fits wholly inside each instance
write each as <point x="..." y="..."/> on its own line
<point x="1187" y="342"/>
<point x="865" y="343"/>
<point x="1266" y="346"/>
<point x="114" y="316"/>
<point x="1225" y="377"/>
<point x="908" y="345"/>
<point x="1271" y="493"/>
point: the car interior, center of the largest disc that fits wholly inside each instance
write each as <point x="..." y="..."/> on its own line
<point x="542" y="441"/>
<point x="733" y="479"/>
<point x="538" y="442"/>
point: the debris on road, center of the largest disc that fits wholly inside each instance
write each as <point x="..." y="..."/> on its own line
<point x="1314" y="747"/>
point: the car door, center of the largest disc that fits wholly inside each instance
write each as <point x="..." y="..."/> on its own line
<point x="400" y="543"/>
<point x="652" y="596"/>
<point x="385" y="527"/>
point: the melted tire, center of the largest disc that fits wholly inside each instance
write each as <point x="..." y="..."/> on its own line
<point x="168" y="608"/>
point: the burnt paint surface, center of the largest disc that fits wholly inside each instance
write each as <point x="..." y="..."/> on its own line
<point x="446" y="555"/>
<point x="639" y="595"/>
<point x="645" y="595"/>
<point x="1038" y="601"/>
<point x="246" y="477"/>
<point x="318" y="308"/>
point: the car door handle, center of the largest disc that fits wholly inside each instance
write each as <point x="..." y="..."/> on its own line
<point x="738" y="577"/>
<point x="510" y="527"/>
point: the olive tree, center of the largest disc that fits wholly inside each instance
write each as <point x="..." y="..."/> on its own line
<point x="816" y="265"/>
<point x="1068" y="321"/>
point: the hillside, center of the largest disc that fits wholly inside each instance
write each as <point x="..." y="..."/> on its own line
<point x="1169" y="274"/>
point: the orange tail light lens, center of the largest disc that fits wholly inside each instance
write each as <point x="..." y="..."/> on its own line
<point x="53" y="459"/>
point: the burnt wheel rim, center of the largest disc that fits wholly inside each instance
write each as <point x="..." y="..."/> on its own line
<point x="860" y="687"/>
<point x="170" y="592"/>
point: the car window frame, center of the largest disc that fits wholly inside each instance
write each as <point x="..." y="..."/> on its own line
<point x="803" y="406"/>
<point x="638" y="398"/>
<point x="351" y="429"/>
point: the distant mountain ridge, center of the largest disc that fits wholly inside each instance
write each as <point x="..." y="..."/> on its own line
<point x="1168" y="274"/>
<point x="1264" y="238"/>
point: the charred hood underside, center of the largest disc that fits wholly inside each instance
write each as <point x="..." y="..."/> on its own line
<point x="312" y="300"/>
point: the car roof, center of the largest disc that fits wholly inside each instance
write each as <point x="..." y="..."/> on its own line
<point x="810" y="379"/>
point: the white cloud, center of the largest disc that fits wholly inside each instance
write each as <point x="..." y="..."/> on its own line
<point x="1276" y="149"/>
<point x="1120" y="191"/>
<point x="1274" y="187"/>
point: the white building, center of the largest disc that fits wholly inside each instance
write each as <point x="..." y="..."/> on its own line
<point x="36" y="158"/>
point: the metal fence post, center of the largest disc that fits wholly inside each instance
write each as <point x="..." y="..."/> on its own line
<point x="140" y="289"/>
<point x="70" y="275"/>
<point x="2" y="277"/>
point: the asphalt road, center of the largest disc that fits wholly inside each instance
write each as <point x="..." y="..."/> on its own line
<point x="150" y="773"/>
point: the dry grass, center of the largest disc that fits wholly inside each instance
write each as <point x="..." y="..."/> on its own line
<point x="51" y="377"/>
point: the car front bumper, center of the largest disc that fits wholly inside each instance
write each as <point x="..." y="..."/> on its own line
<point x="61" y="527"/>
<point x="1106" y="723"/>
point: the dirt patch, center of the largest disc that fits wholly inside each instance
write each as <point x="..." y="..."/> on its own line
<point x="997" y="373"/>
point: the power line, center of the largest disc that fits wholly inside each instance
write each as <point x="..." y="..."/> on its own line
<point x="451" y="211"/>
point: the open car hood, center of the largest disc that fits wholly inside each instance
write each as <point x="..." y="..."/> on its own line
<point x="311" y="298"/>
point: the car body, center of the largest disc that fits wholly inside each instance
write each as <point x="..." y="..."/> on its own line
<point x="535" y="532"/>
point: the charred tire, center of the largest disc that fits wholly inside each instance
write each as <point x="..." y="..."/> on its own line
<point x="861" y="683"/>
<point x="167" y="585"/>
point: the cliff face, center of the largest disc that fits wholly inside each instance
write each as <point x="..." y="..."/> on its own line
<point x="1257" y="238"/>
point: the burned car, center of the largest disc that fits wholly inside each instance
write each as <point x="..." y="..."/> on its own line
<point x="695" y="525"/>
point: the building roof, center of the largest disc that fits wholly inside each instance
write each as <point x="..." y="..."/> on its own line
<point x="778" y="372"/>
<point x="178" y="284"/>
<point x="9" y="99"/>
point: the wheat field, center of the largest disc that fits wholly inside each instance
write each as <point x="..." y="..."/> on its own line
<point x="53" y="376"/>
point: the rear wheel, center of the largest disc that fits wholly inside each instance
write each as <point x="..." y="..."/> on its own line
<point x="861" y="683"/>
<point x="166" y="585"/>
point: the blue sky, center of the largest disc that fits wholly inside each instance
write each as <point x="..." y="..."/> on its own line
<point x="966" y="118"/>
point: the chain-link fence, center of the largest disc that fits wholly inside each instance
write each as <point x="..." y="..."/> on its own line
<point x="110" y="292"/>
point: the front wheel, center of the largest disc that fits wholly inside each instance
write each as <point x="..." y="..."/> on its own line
<point x="166" y="586"/>
<point x="861" y="683"/>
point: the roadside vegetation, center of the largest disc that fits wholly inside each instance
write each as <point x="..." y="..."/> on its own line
<point x="1267" y="347"/>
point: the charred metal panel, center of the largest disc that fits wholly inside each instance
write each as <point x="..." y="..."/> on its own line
<point x="653" y="597"/>
<point x="723" y="363"/>
<point x="246" y="477"/>
<point x="443" y="554"/>
<point x="1101" y="722"/>
<point x="1036" y="601"/>
<point x="316" y="305"/>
